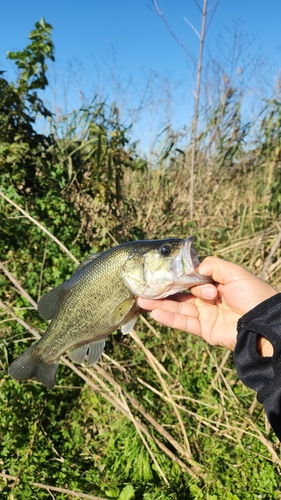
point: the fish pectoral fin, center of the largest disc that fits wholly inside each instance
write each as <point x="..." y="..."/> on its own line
<point x="122" y="310"/>
<point x="130" y="323"/>
<point x="78" y="354"/>
<point x="95" y="351"/>
<point x="49" y="304"/>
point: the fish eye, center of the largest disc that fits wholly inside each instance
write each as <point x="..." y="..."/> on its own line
<point x="165" y="250"/>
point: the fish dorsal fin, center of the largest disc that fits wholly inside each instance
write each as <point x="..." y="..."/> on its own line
<point x="49" y="304"/>
<point x="122" y="310"/>
<point x="129" y="325"/>
<point x="95" y="351"/>
<point x="87" y="260"/>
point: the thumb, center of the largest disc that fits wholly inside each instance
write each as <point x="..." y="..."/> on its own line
<point x="221" y="271"/>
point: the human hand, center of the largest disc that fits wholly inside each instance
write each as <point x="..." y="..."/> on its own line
<point x="212" y="311"/>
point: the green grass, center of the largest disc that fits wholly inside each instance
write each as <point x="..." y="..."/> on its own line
<point x="72" y="438"/>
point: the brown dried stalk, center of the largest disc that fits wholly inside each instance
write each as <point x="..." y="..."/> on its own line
<point x="76" y="494"/>
<point x="109" y="395"/>
<point x="64" y="249"/>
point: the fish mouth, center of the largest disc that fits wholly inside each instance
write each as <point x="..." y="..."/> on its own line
<point x="176" y="276"/>
<point x="186" y="263"/>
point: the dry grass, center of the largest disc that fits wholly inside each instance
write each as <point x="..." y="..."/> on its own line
<point x="226" y="220"/>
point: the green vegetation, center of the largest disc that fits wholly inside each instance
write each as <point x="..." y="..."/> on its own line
<point x="162" y="416"/>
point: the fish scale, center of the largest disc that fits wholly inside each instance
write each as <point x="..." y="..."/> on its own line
<point x="100" y="297"/>
<point x="81" y="314"/>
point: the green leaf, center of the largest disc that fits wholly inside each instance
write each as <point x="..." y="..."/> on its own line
<point x="112" y="492"/>
<point x="127" y="493"/>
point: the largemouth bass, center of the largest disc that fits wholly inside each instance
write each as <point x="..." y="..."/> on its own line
<point x="100" y="297"/>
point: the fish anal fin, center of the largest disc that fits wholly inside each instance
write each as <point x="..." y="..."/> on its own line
<point x="78" y="354"/>
<point x="95" y="351"/>
<point x="28" y="365"/>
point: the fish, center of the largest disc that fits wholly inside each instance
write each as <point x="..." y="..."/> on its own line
<point x="101" y="297"/>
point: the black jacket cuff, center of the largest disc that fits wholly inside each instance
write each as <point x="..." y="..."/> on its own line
<point x="263" y="374"/>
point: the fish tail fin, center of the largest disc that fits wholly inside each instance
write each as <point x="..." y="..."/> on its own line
<point x="29" y="365"/>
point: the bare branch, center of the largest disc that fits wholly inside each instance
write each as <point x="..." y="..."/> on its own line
<point x="197" y="5"/>
<point x="196" y="107"/>
<point x="18" y="286"/>
<point x="48" y="487"/>
<point x="116" y="402"/>
<point x="271" y="254"/>
<point x="193" y="27"/>
<point x="151" y="361"/>
<point x="132" y="418"/>
<point x="201" y="37"/>
<point x="76" y="494"/>
<point x="63" y="248"/>
<point x="214" y="6"/>
<point x="171" y="32"/>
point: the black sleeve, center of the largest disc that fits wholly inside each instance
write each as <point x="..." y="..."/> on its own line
<point x="263" y="374"/>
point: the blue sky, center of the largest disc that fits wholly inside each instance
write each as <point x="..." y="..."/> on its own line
<point x="122" y="49"/>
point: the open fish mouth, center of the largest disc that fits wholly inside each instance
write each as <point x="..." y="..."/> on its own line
<point x="184" y="264"/>
<point x="179" y="275"/>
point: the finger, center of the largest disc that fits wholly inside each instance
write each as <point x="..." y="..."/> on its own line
<point x="181" y="303"/>
<point x="182" y="322"/>
<point x="167" y="307"/>
<point x="149" y="304"/>
<point x="207" y="292"/>
<point x="220" y="270"/>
